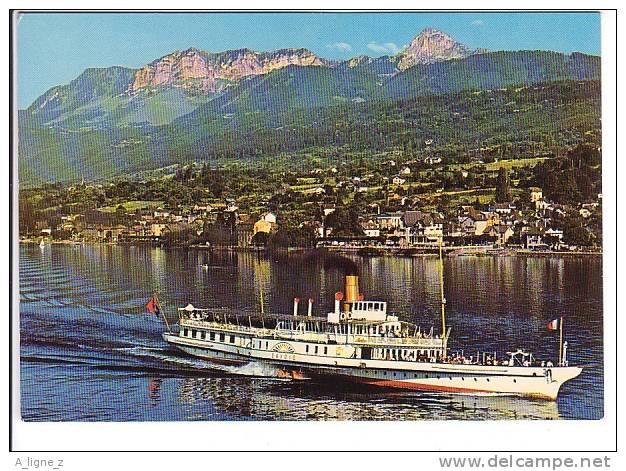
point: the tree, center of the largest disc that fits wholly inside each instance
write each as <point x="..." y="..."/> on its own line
<point x="503" y="186"/>
<point x="260" y="239"/>
<point x="217" y="234"/>
<point x="120" y="211"/>
<point x="575" y="233"/>
<point x="344" y="222"/>
<point x="27" y="215"/>
<point x="290" y="236"/>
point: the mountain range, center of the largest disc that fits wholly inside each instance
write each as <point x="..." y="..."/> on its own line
<point x="114" y="120"/>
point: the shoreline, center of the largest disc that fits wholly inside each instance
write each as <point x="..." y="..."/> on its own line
<point x="363" y="251"/>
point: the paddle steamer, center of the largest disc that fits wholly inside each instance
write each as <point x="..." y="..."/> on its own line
<point x="361" y="341"/>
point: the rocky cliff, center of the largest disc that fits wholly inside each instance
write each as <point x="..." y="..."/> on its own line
<point x="432" y="45"/>
<point x="206" y="70"/>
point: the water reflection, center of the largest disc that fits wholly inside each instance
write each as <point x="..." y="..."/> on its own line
<point x="261" y="399"/>
<point x="85" y="306"/>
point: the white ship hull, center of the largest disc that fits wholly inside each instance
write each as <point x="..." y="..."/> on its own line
<point x="338" y="362"/>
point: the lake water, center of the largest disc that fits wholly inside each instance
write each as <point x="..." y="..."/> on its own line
<point x="90" y="352"/>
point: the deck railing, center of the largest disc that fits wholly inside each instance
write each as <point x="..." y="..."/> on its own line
<point x="318" y="337"/>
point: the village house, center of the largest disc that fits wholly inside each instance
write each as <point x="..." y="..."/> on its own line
<point x="160" y="213"/>
<point x="156" y="229"/>
<point x="91" y="234"/>
<point x="269" y="217"/>
<point x="245" y="232"/>
<point x="536" y="194"/>
<point x="267" y="224"/>
<point x="432" y="160"/>
<point x="503" y="208"/>
<point x="328" y="208"/>
<point x="533" y="239"/>
<point x="422" y="228"/>
<point x="542" y="205"/>
<point x="114" y="233"/>
<point x="500" y="233"/>
<point x="397" y="180"/>
<point x="556" y="236"/>
<point x="370" y="228"/>
<point x="389" y="221"/>
<point x="473" y="222"/>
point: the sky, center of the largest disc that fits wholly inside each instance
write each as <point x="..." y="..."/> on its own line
<point x="54" y="48"/>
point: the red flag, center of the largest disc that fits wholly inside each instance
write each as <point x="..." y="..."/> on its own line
<point x="153" y="306"/>
<point x="555" y="324"/>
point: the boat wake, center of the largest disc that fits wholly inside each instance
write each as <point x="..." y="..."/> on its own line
<point x="253" y="368"/>
<point x="257" y="369"/>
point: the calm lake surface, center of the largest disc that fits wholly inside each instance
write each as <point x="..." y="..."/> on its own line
<point x="90" y="352"/>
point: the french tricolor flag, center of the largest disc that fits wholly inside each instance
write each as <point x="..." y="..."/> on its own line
<point x="555" y="324"/>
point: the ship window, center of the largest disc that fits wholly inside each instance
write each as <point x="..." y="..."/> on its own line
<point x="222" y="337"/>
<point x="266" y="345"/>
<point x="325" y="350"/>
<point x="316" y="349"/>
<point x="186" y="332"/>
<point x="232" y="339"/>
<point x="212" y="335"/>
<point x="202" y="334"/>
<point x="193" y="333"/>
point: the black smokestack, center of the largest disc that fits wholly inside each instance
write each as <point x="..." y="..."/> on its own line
<point x="333" y="261"/>
<point x="328" y="260"/>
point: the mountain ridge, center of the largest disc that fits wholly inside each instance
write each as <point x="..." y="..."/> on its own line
<point x="123" y="118"/>
<point x="210" y="72"/>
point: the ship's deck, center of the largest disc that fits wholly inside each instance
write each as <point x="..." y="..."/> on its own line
<point x="321" y="336"/>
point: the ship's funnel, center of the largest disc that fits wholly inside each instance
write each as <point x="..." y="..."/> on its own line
<point x="352" y="290"/>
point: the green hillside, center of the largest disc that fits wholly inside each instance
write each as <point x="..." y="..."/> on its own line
<point x="514" y="102"/>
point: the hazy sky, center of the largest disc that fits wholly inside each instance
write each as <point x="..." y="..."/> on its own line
<point x="54" y="48"/>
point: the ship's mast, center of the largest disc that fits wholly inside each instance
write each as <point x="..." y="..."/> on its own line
<point x="260" y="281"/>
<point x="443" y="299"/>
